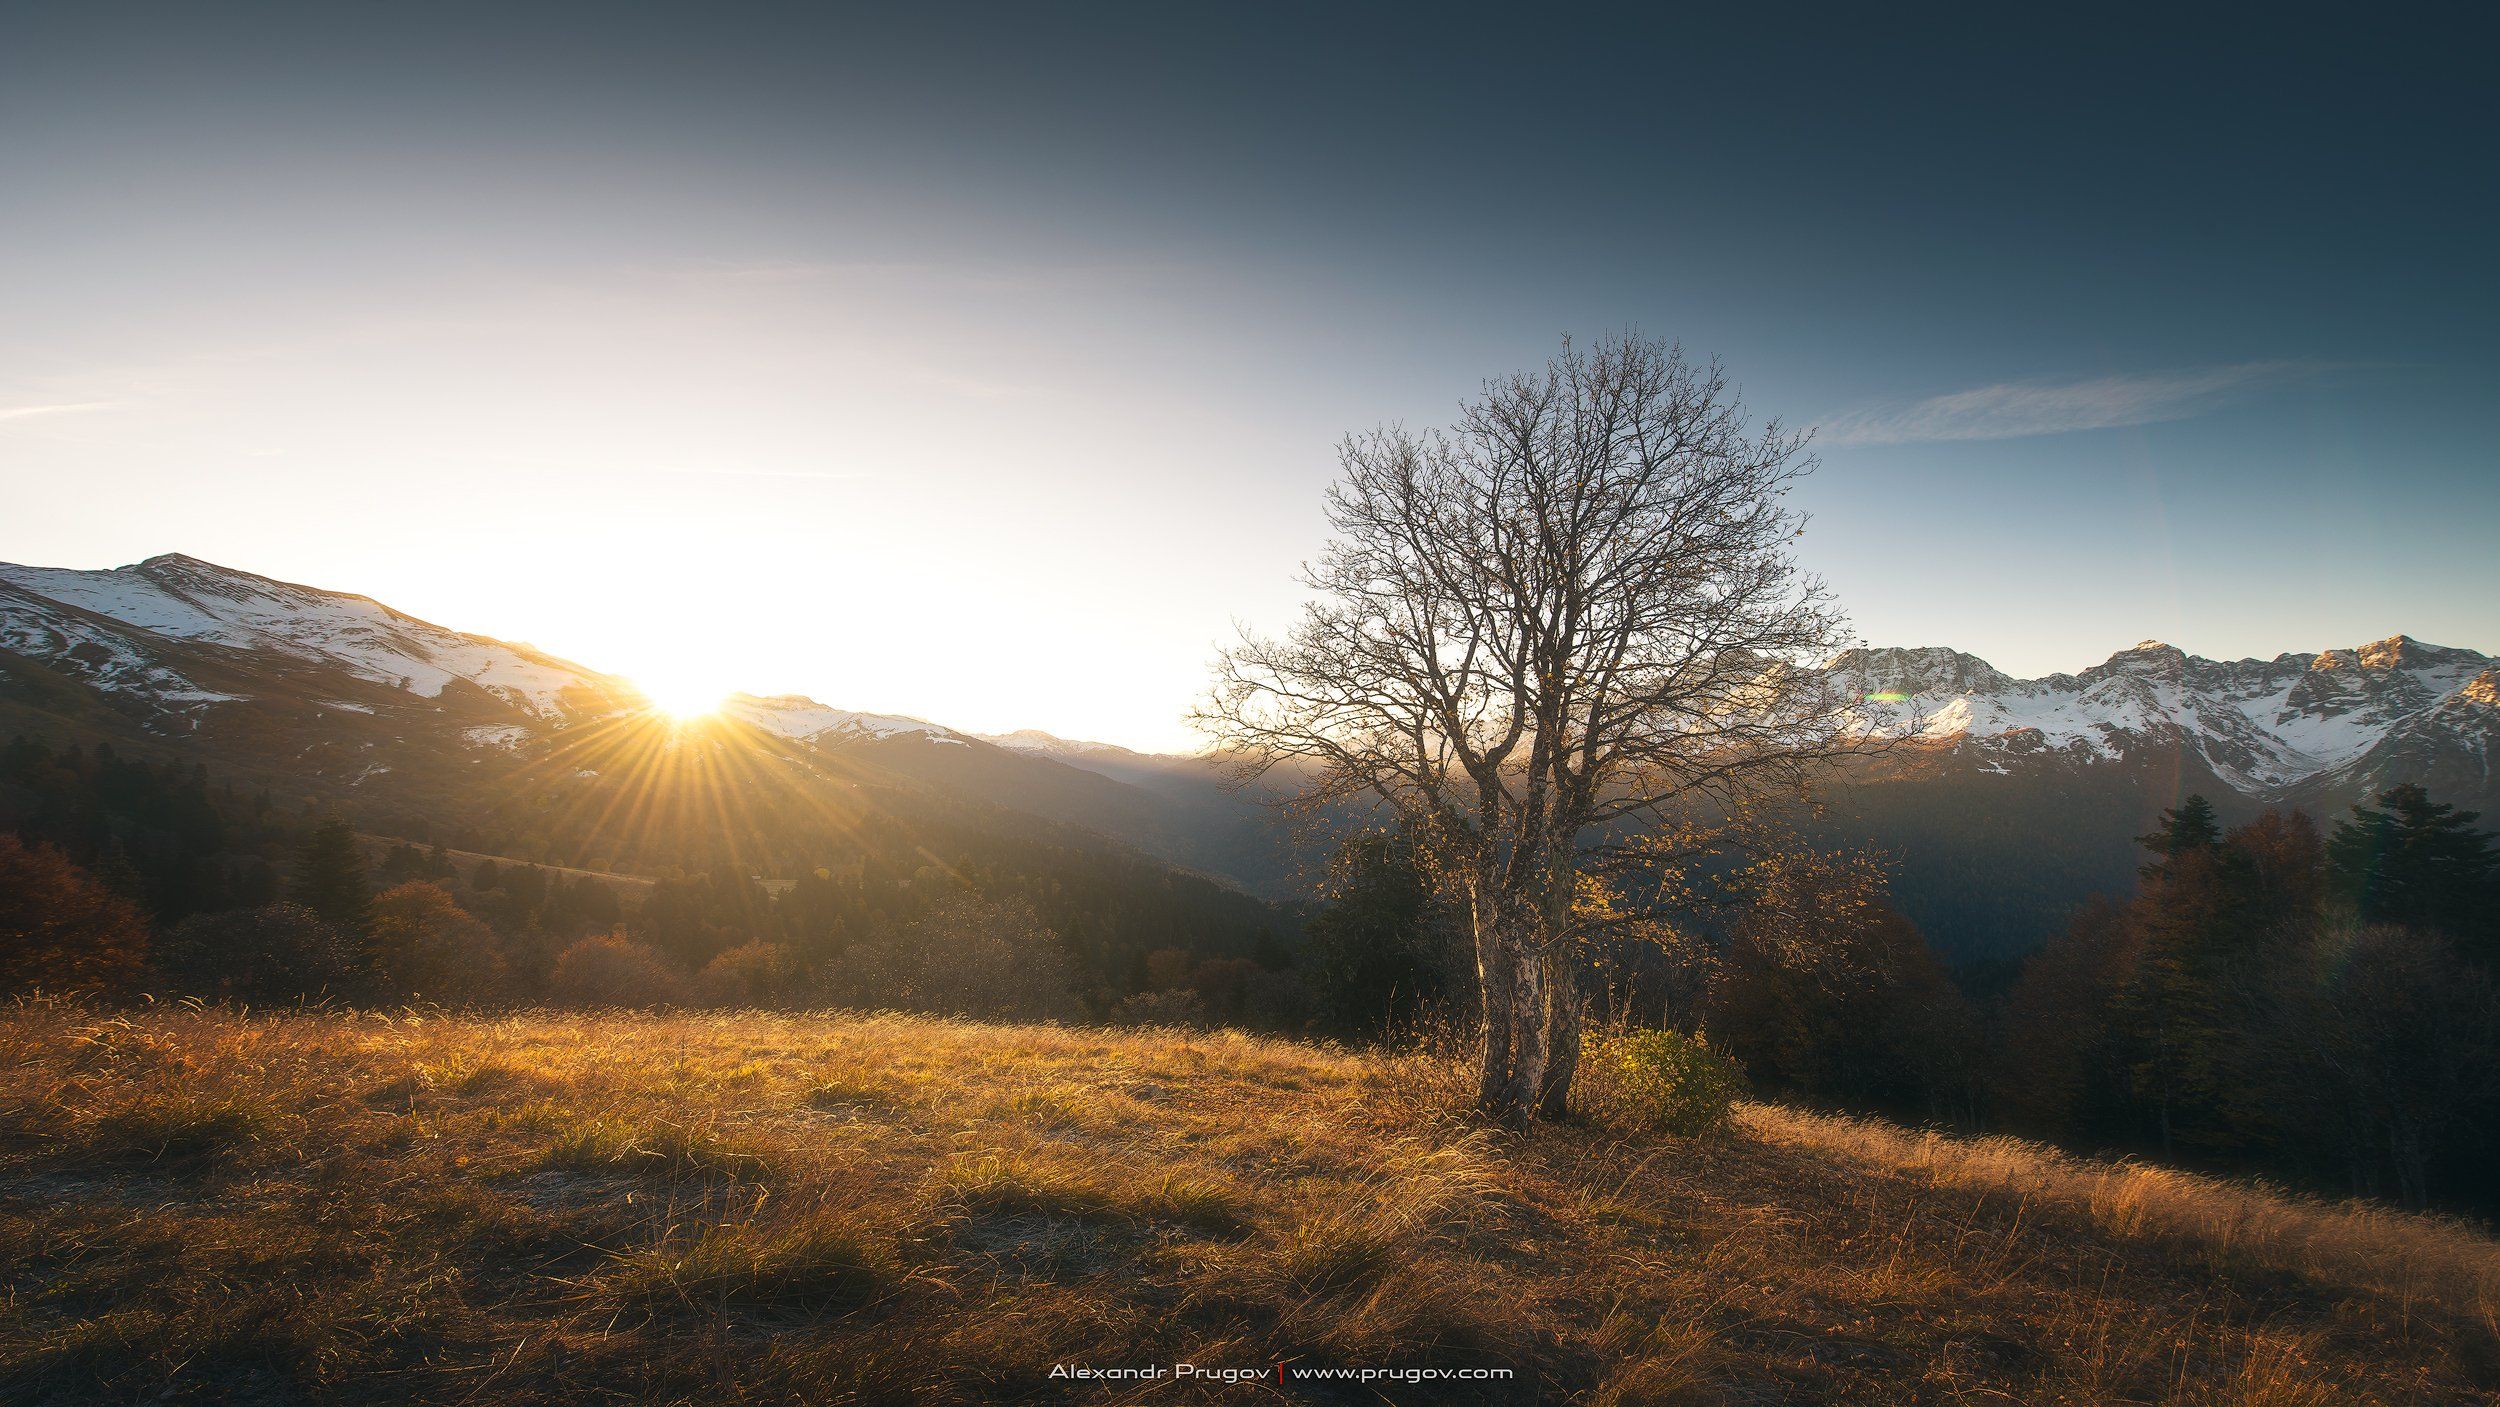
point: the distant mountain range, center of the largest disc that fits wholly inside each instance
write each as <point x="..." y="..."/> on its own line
<point x="345" y="701"/>
<point x="2293" y="728"/>
<point x="2023" y="788"/>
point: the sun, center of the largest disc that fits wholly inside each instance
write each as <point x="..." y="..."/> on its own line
<point x="683" y="697"/>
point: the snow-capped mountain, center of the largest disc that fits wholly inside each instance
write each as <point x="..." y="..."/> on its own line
<point x="308" y="693"/>
<point x="2342" y="720"/>
<point x="141" y="632"/>
<point x="187" y="639"/>
<point x="1034" y="740"/>
<point x="314" y="693"/>
<point x="144" y="631"/>
<point x="802" y="719"/>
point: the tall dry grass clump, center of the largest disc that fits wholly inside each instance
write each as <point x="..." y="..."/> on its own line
<point x="2353" y="1245"/>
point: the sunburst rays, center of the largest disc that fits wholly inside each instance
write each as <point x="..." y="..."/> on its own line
<point x="650" y="790"/>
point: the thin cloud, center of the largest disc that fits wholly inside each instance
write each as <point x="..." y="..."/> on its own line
<point x="2015" y="409"/>
<point x="25" y="412"/>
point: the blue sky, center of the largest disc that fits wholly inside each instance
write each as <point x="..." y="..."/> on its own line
<point x="985" y="362"/>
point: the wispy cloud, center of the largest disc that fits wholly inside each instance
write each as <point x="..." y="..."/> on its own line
<point x="27" y="412"/>
<point x="2014" y="409"/>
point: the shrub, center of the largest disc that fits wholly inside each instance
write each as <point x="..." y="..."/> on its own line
<point x="279" y="952"/>
<point x="426" y="945"/>
<point x="1178" y="1006"/>
<point x="59" y="929"/>
<point x="1665" y="1082"/>
<point x="753" y="974"/>
<point x="614" y="970"/>
<point x="966" y="956"/>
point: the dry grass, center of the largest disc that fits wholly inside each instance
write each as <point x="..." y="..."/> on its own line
<point x="821" y="1261"/>
<point x="2354" y="1246"/>
<point x="201" y="1207"/>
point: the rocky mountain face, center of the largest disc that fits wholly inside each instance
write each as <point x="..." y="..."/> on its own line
<point x="2296" y="728"/>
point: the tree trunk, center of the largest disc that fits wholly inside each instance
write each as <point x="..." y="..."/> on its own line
<point x="1528" y="1053"/>
<point x="1563" y="1019"/>
<point x="1495" y="983"/>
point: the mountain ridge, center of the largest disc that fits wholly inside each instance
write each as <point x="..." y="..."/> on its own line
<point x="2270" y="729"/>
<point x="345" y="695"/>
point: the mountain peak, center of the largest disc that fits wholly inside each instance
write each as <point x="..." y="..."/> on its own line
<point x="800" y="717"/>
<point x="2156" y="657"/>
<point x="182" y="566"/>
<point x="2394" y="652"/>
<point x="1917" y="669"/>
<point x="177" y="596"/>
<point x="2483" y="688"/>
<point x="1036" y="741"/>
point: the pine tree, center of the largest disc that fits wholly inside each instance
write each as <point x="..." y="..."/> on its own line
<point x="2210" y="919"/>
<point x="2417" y="863"/>
<point x="330" y="880"/>
<point x="2188" y="826"/>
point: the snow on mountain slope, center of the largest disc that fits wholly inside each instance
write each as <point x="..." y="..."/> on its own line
<point x="2394" y="710"/>
<point x="2263" y="726"/>
<point x="1034" y="740"/>
<point x="801" y="718"/>
<point x="184" y="598"/>
<point x="40" y="628"/>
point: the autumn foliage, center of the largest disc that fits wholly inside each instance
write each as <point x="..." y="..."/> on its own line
<point x="60" y="929"/>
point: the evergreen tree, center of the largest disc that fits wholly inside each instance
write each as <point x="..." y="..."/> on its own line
<point x="2169" y="1015"/>
<point x="330" y="880"/>
<point x="2188" y="826"/>
<point x="1372" y="958"/>
<point x="2417" y="863"/>
<point x="2213" y="921"/>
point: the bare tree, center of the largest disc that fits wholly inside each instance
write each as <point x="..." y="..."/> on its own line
<point x="1547" y="639"/>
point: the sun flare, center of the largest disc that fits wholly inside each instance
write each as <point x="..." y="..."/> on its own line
<point x="685" y="698"/>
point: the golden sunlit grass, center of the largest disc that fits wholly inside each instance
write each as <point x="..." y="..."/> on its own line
<point x="197" y="1206"/>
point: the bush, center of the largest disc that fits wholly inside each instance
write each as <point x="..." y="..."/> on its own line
<point x="1665" y="1082"/>
<point x="1178" y="1006"/>
<point x="276" y="953"/>
<point x="61" y="930"/>
<point x="426" y="945"/>
<point x="967" y="956"/>
<point x="753" y="974"/>
<point x="615" y="971"/>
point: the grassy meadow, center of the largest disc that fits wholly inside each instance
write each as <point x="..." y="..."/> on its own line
<point x="201" y="1206"/>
